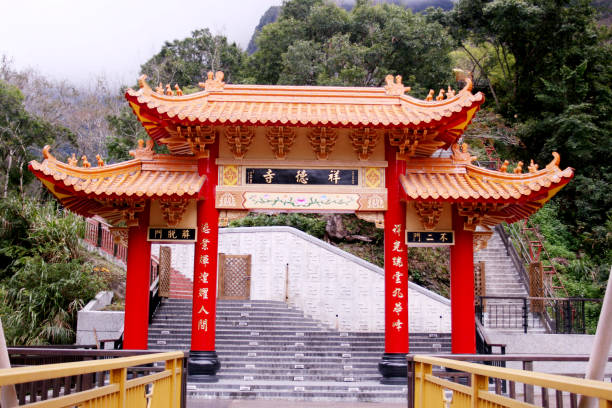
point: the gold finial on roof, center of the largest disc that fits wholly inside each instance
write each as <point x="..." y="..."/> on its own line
<point x="179" y="91"/>
<point x="504" y="166"/>
<point x="430" y="95"/>
<point x="100" y="161"/>
<point x="440" y="96"/>
<point x="86" y="163"/>
<point x="72" y="160"/>
<point x="169" y="90"/>
<point x="46" y="151"/>
<point x="396" y="88"/>
<point x="533" y="167"/>
<point x="215" y="84"/>
<point x="519" y="168"/>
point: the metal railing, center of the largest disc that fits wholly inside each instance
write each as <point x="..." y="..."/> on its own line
<point x="556" y="315"/>
<point x="59" y="380"/>
<point x="465" y="384"/>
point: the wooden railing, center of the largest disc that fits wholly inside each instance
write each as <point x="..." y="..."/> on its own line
<point x="97" y="233"/>
<point x="466" y="384"/>
<point x="161" y="387"/>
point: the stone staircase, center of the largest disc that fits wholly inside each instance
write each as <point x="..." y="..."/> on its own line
<point x="502" y="279"/>
<point x="270" y="351"/>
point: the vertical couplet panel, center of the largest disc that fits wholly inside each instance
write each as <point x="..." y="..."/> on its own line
<point x="396" y="259"/>
<point x="463" y="320"/>
<point x="205" y="260"/>
<point x="136" y="326"/>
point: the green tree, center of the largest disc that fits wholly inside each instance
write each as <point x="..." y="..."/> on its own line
<point x="187" y="61"/>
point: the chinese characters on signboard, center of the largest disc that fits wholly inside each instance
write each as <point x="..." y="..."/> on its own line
<point x="172" y="234"/>
<point x="202" y="273"/>
<point x="429" y="238"/>
<point x="326" y="177"/>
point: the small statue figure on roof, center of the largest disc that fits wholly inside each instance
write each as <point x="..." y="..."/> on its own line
<point x="142" y="151"/>
<point x="504" y="166"/>
<point x="396" y="88"/>
<point x="461" y="154"/>
<point x="215" y="84"/>
<point x="160" y="89"/>
<point x="169" y="90"/>
<point x="72" y="160"/>
<point x="440" y="96"/>
<point x="86" y="163"/>
<point x="179" y="91"/>
<point x="450" y="93"/>
<point x="533" y="167"/>
<point x="519" y="168"/>
<point x="100" y="161"/>
<point x="430" y="95"/>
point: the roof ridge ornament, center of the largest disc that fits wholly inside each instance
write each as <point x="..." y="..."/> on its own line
<point x="143" y="152"/>
<point x="554" y="164"/>
<point x="46" y="151"/>
<point x="142" y="83"/>
<point x="396" y="88"/>
<point x="467" y="77"/>
<point x="213" y="84"/>
<point x="461" y="154"/>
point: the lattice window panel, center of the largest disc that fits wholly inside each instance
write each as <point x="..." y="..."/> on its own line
<point x="235" y="276"/>
<point x="536" y="286"/>
<point x="165" y="268"/>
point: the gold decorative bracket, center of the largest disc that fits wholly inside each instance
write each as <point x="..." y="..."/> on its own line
<point x="378" y="218"/>
<point x="481" y="239"/>
<point x="173" y="211"/>
<point x="239" y="139"/>
<point x="364" y="141"/>
<point x="475" y="214"/>
<point x="227" y="216"/>
<point x="322" y="141"/>
<point x="120" y="235"/>
<point x="281" y="139"/>
<point x="198" y="138"/>
<point x="125" y="211"/>
<point x="429" y="213"/>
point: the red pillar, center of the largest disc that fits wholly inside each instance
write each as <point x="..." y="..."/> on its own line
<point x="393" y="364"/>
<point x="136" y="324"/>
<point x="463" y="320"/>
<point x="203" y="360"/>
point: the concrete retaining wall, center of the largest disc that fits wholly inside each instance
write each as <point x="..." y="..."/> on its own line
<point x="107" y="324"/>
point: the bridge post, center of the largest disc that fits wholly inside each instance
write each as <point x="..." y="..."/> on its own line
<point x="463" y="320"/>
<point x="203" y="362"/>
<point x="393" y="365"/>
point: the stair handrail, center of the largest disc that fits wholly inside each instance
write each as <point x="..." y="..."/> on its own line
<point x="517" y="259"/>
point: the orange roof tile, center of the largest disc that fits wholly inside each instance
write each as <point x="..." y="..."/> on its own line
<point x="443" y="180"/>
<point x="300" y="106"/>
<point x="165" y="176"/>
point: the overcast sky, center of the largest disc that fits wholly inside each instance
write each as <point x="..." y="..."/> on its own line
<point x="79" y="40"/>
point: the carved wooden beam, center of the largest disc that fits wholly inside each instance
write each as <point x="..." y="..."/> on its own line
<point x="364" y="141"/>
<point x="322" y="141"/>
<point x="198" y="137"/>
<point x="281" y="139"/>
<point x="378" y="218"/>
<point x="118" y="211"/>
<point x="481" y="239"/>
<point x="429" y="213"/>
<point x="239" y="139"/>
<point x="476" y="213"/>
<point x="414" y="142"/>
<point x="120" y="235"/>
<point x="173" y="210"/>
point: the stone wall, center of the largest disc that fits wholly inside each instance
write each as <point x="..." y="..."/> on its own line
<point x="107" y="324"/>
<point x="325" y="282"/>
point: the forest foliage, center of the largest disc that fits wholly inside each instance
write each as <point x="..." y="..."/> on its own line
<point x="545" y="67"/>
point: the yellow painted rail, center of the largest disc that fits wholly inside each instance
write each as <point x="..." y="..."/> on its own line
<point x="161" y="389"/>
<point x="433" y="391"/>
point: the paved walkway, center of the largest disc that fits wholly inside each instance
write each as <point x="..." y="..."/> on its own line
<point x="219" y="403"/>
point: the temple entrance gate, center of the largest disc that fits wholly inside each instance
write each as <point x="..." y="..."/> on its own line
<point x="233" y="149"/>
